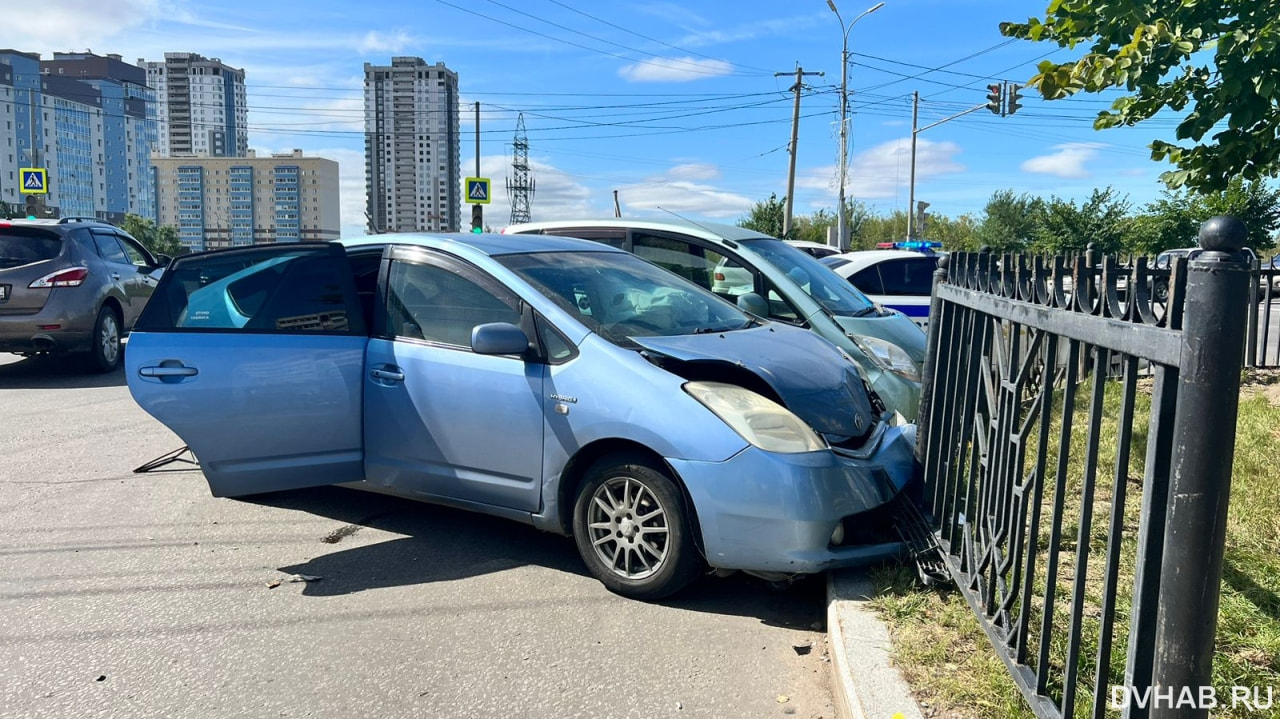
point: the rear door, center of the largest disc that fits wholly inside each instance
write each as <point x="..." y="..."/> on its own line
<point x="255" y="357"/>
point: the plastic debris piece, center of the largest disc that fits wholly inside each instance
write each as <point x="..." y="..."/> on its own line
<point x="274" y="583"/>
<point x="802" y="648"/>
<point x="304" y="578"/>
<point x="783" y="698"/>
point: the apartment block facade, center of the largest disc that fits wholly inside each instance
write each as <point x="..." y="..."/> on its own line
<point x="89" y="121"/>
<point x="412" y="147"/>
<point x="202" y="109"/>
<point x="220" y="202"/>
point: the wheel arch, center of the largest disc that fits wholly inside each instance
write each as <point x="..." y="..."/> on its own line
<point x="575" y="471"/>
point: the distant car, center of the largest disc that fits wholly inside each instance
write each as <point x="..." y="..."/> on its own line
<point x="817" y="249"/>
<point x="72" y="286"/>
<point x="898" y="279"/>
<point x="772" y="278"/>
<point x="552" y="381"/>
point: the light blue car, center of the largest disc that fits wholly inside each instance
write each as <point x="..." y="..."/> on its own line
<point x="552" y="381"/>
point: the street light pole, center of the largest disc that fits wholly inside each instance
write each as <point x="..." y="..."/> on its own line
<point x="841" y="228"/>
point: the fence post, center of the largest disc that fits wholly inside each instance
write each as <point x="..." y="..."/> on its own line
<point x="1203" y="446"/>
<point x="929" y="370"/>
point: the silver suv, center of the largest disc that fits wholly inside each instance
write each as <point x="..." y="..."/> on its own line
<point x="72" y="286"/>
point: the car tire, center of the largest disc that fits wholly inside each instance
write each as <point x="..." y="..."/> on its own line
<point x="633" y="530"/>
<point x="1160" y="291"/>
<point x="105" y="350"/>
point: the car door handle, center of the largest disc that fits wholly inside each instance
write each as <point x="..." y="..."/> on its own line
<point x="389" y="375"/>
<point x="115" y="275"/>
<point x="168" y="371"/>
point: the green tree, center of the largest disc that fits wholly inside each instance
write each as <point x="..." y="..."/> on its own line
<point x="957" y="235"/>
<point x="1103" y="219"/>
<point x="766" y="217"/>
<point x="1174" y="219"/>
<point x="1009" y="221"/>
<point x="1220" y="58"/>
<point x="160" y="240"/>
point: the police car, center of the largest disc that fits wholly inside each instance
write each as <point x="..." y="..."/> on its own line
<point x="897" y="275"/>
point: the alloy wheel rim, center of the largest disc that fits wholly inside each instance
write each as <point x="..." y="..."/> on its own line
<point x="628" y="528"/>
<point x="110" y="338"/>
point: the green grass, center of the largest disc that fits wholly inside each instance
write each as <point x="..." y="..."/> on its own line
<point x="947" y="658"/>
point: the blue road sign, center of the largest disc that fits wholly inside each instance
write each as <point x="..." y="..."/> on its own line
<point x="34" y="181"/>
<point x="478" y="190"/>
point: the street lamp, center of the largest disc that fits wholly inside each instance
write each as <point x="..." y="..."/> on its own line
<point x="841" y="228"/>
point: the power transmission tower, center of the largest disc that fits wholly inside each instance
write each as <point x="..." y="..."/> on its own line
<point x="521" y="185"/>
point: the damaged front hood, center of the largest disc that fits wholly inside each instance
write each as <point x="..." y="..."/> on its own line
<point x="816" y="381"/>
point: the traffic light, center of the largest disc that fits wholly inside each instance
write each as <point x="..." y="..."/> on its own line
<point x="33" y="207"/>
<point x="1014" y="97"/>
<point x="477" y="218"/>
<point x="995" y="96"/>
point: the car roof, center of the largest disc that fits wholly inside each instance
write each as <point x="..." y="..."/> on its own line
<point x="705" y="230"/>
<point x="807" y="243"/>
<point x="54" y="224"/>
<point x="859" y="259"/>
<point x="488" y="243"/>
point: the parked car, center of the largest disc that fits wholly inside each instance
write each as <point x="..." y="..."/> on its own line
<point x="898" y="279"/>
<point x="72" y="286"/>
<point x="747" y="267"/>
<point x="817" y="249"/>
<point x="548" y="380"/>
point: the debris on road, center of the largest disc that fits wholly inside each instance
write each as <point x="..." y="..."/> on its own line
<point x="783" y="698"/>
<point x="303" y="578"/>
<point x="803" y="648"/>
<point x="274" y="583"/>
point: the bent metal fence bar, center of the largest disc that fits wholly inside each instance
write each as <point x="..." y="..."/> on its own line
<point x="1016" y="466"/>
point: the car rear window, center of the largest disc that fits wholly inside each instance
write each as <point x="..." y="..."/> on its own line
<point x="21" y="246"/>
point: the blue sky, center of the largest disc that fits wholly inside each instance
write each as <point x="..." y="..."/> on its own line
<point x="674" y="105"/>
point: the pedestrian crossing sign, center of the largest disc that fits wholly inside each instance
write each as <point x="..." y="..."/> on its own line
<point x="34" y="181"/>
<point x="477" y="190"/>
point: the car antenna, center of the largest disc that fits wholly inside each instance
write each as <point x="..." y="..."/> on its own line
<point x="686" y="219"/>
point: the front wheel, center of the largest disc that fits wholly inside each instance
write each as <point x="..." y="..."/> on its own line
<point x="632" y="529"/>
<point x="104" y="353"/>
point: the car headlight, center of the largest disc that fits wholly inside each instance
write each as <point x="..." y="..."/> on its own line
<point x="757" y="419"/>
<point x="888" y="357"/>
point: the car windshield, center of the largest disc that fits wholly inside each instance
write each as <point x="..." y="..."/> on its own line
<point x="827" y="288"/>
<point x="619" y="295"/>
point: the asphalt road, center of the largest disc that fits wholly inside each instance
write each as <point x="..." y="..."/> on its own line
<point x="140" y="595"/>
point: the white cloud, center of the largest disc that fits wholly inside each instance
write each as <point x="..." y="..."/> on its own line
<point x="375" y="42"/>
<point x="884" y="171"/>
<point x="557" y="193"/>
<point x="678" y="191"/>
<point x="667" y="69"/>
<point x="76" y="24"/>
<point x="1068" y="162"/>
<point x="751" y="31"/>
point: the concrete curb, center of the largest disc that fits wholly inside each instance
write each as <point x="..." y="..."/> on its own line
<point x="867" y="685"/>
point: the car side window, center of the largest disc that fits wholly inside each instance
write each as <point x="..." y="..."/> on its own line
<point x="692" y="262"/>
<point x="437" y="304"/>
<point x="612" y="236"/>
<point x="779" y="307"/>
<point x="868" y="281"/>
<point x="302" y="290"/>
<point x="109" y="248"/>
<point x="134" y="252"/>
<point x="912" y="277"/>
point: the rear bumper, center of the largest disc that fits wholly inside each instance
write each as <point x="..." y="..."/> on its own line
<point x="766" y="512"/>
<point x="24" y="333"/>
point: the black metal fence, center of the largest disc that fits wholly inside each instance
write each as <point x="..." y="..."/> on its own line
<point x="1262" y="336"/>
<point x="1054" y="390"/>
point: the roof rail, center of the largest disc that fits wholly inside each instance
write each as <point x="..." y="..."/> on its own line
<point x="73" y="218"/>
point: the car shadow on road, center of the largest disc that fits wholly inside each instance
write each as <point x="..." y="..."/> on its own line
<point x="442" y="544"/>
<point x="55" y="372"/>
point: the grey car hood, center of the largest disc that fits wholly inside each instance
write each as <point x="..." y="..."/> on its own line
<point x="816" y="381"/>
<point x="892" y="327"/>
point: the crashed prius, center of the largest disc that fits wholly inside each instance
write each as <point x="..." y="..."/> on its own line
<point x="554" y="381"/>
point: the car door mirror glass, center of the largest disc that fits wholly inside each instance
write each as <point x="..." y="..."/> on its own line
<point x="754" y="304"/>
<point x="499" y="338"/>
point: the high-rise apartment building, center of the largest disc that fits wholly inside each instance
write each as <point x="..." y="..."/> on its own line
<point x="201" y="106"/>
<point x="89" y="121"/>
<point x="218" y="202"/>
<point x="412" y="162"/>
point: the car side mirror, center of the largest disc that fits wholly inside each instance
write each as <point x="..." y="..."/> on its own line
<point x="499" y="338"/>
<point x="753" y="304"/>
<point x="163" y="260"/>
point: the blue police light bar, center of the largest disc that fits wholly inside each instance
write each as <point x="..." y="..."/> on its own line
<point x="918" y="245"/>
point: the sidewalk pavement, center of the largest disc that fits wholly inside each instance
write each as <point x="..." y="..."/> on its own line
<point x="867" y="685"/>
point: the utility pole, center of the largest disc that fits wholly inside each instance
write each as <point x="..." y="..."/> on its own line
<point x="795" y="136"/>
<point x="477" y="210"/>
<point x="911" y="202"/>
<point x="617" y="209"/>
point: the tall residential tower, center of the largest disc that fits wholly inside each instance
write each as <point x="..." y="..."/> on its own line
<point x="412" y="162"/>
<point x="201" y="106"/>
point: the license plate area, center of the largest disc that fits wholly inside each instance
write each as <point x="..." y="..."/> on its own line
<point x="4" y="293"/>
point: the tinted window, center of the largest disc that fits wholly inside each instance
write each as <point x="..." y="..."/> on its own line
<point x="134" y="252"/>
<point x="612" y="236"/>
<point x="435" y="304"/>
<point x="868" y="281"/>
<point x="20" y="246"/>
<point x="109" y="248"/>
<point x="913" y="277"/>
<point x="690" y="261"/>
<point x="302" y="290"/>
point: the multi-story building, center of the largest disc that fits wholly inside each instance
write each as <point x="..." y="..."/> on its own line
<point x="412" y="164"/>
<point x="201" y="106"/>
<point x="89" y="121"/>
<point x="218" y="202"/>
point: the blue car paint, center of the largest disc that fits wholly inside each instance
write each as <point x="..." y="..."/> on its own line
<point x="320" y="394"/>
